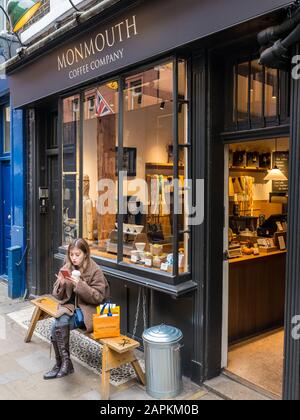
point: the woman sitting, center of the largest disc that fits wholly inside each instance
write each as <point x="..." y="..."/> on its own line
<point x="85" y="292"/>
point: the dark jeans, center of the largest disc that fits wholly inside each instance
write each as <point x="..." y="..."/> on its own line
<point x="61" y="322"/>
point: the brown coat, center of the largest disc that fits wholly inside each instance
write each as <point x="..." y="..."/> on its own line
<point x="91" y="290"/>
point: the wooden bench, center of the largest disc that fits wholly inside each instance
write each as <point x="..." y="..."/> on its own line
<point x="117" y="351"/>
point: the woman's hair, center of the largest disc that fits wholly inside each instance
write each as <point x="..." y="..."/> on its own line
<point x="84" y="247"/>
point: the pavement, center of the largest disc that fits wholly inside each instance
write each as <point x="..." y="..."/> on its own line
<point x="22" y="367"/>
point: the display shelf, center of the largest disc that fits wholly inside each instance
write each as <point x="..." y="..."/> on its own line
<point x="246" y="169"/>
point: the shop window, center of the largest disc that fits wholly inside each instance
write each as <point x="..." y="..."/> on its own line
<point x="71" y="168"/>
<point x="258" y="96"/>
<point x="242" y="91"/>
<point x="153" y="233"/>
<point x="6" y="130"/>
<point x="271" y="92"/>
<point x="100" y="142"/>
<point x="134" y="190"/>
<point x="256" y="90"/>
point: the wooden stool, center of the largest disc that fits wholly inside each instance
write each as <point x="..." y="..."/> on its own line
<point x="117" y="351"/>
<point x="46" y="307"/>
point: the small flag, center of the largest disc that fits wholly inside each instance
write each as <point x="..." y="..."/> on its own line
<point x="102" y="107"/>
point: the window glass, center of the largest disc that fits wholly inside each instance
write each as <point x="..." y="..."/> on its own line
<point x="100" y="142"/>
<point x="242" y="93"/>
<point x="256" y="89"/>
<point x="71" y="136"/>
<point x="6" y="129"/>
<point x="255" y="92"/>
<point x="129" y="179"/>
<point x="3" y="21"/>
<point x="271" y="92"/>
<point x="183" y="167"/>
<point x="148" y="192"/>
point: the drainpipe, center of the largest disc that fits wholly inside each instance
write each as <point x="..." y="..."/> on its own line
<point x="277" y="56"/>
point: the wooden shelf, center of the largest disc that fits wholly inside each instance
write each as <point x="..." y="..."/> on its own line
<point x="252" y="170"/>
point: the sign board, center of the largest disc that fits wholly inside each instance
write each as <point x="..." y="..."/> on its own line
<point x="145" y="30"/>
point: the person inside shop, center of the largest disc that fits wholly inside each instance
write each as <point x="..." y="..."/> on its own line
<point x="80" y="287"/>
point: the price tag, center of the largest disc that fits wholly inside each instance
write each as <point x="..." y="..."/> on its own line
<point x="164" y="266"/>
<point x="134" y="259"/>
<point x="148" y="263"/>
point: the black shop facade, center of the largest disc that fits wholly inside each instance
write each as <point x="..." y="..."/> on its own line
<point x="152" y="136"/>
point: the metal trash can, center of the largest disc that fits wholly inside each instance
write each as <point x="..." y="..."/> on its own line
<point x="163" y="361"/>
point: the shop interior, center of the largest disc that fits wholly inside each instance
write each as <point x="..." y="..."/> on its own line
<point x="256" y="245"/>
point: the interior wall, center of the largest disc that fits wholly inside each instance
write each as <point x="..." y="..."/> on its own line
<point x="148" y="129"/>
<point x="262" y="188"/>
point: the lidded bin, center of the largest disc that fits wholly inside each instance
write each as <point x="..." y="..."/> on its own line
<point x="163" y="361"/>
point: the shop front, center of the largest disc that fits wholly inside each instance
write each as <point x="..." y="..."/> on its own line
<point x="139" y="134"/>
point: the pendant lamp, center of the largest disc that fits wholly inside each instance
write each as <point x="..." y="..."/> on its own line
<point x="275" y="174"/>
<point x="21" y="11"/>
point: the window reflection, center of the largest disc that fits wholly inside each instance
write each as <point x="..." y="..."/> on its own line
<point x="71" y="122"/>
<point x="100" y="141"/>
<point x="256" y="89"/>
<point x="242" y="91"/>
<point x="255" y="92"/>
<point x="6" y="129"/>
<point x="148" y="129"/>
<point x="271" y="92"/>
<point x="147" y="192"/>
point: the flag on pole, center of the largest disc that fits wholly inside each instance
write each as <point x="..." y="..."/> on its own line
<point x="102" y="107"/>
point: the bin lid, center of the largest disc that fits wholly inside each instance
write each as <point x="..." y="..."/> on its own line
<point x="162" y="334"/>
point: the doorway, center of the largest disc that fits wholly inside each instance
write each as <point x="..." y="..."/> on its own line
<point x="255" y="245"/>
<point x="5" y="216"/>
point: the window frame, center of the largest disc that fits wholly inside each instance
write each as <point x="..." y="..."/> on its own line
<point x="231" y="123"/>
<point x="5" y="153"/>
<point x="119" y="264"/>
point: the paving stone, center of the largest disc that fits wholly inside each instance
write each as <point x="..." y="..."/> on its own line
<point x="7" y="394"/>
<point x="35" y="362"/>
<point x="232" y="390"/>
<point x="91" y="395"/>
<point x="132" y="393"/>
<point x="11" y="377"/>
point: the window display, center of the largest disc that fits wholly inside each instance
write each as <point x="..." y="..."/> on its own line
<point x="100" y="144"/>
<point x="137" y="181"/>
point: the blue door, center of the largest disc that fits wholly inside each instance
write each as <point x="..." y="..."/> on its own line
<point x="5" y="215"/>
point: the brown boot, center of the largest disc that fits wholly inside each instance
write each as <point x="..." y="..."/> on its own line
<point x="63" y="341"/>
<point x="52" y="374"/>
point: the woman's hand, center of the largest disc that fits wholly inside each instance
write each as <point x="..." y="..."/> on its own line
<point x="61" y="279"/>
<point x="74" y="280"/>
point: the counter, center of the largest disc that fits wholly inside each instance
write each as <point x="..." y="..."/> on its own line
<point x="256" y="294"/>
<point x="254" y="257"/>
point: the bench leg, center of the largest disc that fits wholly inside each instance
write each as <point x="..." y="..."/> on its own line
<point x="35" y="318"/>
<point x="139" y="372"/>
<point x="105" y="380"/>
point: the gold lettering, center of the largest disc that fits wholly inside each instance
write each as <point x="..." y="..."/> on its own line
<point x="61" y="62"/>
<point x="132" y="26"/>
<point x="103" y="42"/>
<point x="113" y="37"/>
<point x="79" y="53"/>
<point x="70" y="56"/>
<point x="89" y="50"/>
<point x="120" y="31"/>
